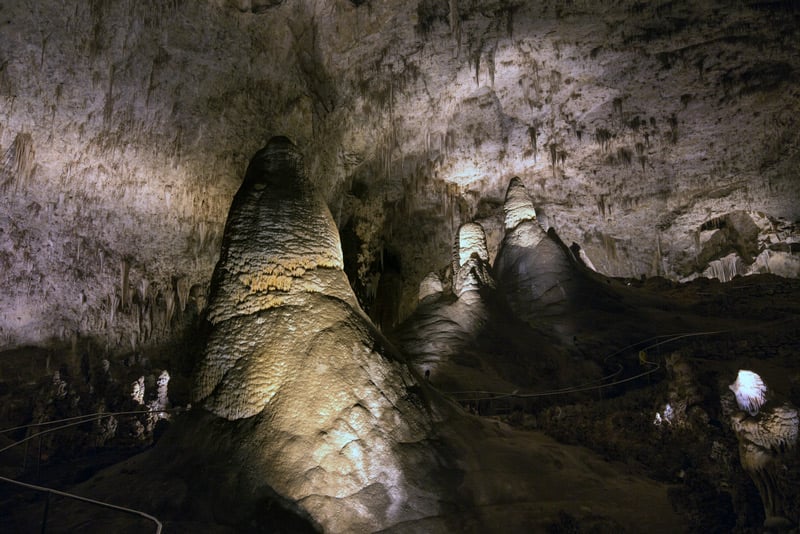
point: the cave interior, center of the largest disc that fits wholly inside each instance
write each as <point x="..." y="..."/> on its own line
<point x="428" y="266"/>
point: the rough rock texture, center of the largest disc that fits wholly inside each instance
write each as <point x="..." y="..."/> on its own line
<point x="471" y="270"/>
<point x="518" y="206"/>
<point x="125" y="126"/>
<point x="766" y="444"/>
<point x="470" y="239"/>
<point x="332" y="406"/>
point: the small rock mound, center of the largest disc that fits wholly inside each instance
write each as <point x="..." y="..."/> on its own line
<point x="431" y="286"/>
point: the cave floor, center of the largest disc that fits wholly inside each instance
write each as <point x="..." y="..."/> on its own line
<point x="687" y="472"/>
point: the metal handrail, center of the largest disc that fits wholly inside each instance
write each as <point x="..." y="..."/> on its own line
<point x="494" y="395"/>
<point x="80" y="420"/>
<point x="145" y="515"/>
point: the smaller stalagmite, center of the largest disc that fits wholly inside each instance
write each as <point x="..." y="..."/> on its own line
<point x="767" y="440"/>
<point x="430" y="287"/>
<point x="534" y="270"/>
<point x="442" y="328"/>
<point x="518" y="207"/>
<point x="470" y="260"/>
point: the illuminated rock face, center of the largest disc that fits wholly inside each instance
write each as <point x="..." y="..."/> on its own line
<point x="470" y="260"/>
<point x="518" y="207"/>
<point x="750" y="391"/>
<point x="471" y="240"/>
<point x="291" y="358"/>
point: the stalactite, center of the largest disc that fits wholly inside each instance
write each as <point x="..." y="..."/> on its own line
<point x="124" y="280"/>
<point x="108" y="109"/>
<point x="553" y="158"/>
<point x="148" y="320"/>
<point x="18" y="162"/>
<point x="455" y="23"/>
<point x="617" y="105"/>
<point x="491" y="65"/>
<point x="113" y="307"/>
<point x="182" y="290"/>
<point x="478" y="67"/>
<point x="199" y="294"/>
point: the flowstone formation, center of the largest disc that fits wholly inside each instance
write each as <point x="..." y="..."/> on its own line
<point x="335" y="421"/>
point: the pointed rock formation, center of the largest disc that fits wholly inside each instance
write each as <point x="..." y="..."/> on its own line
<point x="533" y="268"/>
<point x="469" y="339"/>
<point x="328" y="416"/>
<point x="470" y="260"/>
<point x="442" y="328"/>
<point x="304" y="404"/>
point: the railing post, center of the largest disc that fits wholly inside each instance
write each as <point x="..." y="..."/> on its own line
<point x="46" y="510"/>
<point x="39" y="457"/>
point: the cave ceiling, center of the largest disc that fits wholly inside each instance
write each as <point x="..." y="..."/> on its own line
<point x="659" y="136"/>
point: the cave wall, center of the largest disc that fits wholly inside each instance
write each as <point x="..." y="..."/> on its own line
<point x="125" y="128"/>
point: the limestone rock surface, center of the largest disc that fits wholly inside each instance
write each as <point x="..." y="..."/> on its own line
<point x="331" y="406"/>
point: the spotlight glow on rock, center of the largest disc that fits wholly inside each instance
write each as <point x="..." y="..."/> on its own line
<point x="750" y="391"/>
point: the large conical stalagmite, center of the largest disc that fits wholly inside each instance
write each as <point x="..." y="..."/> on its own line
<point x="333" y="417"/>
